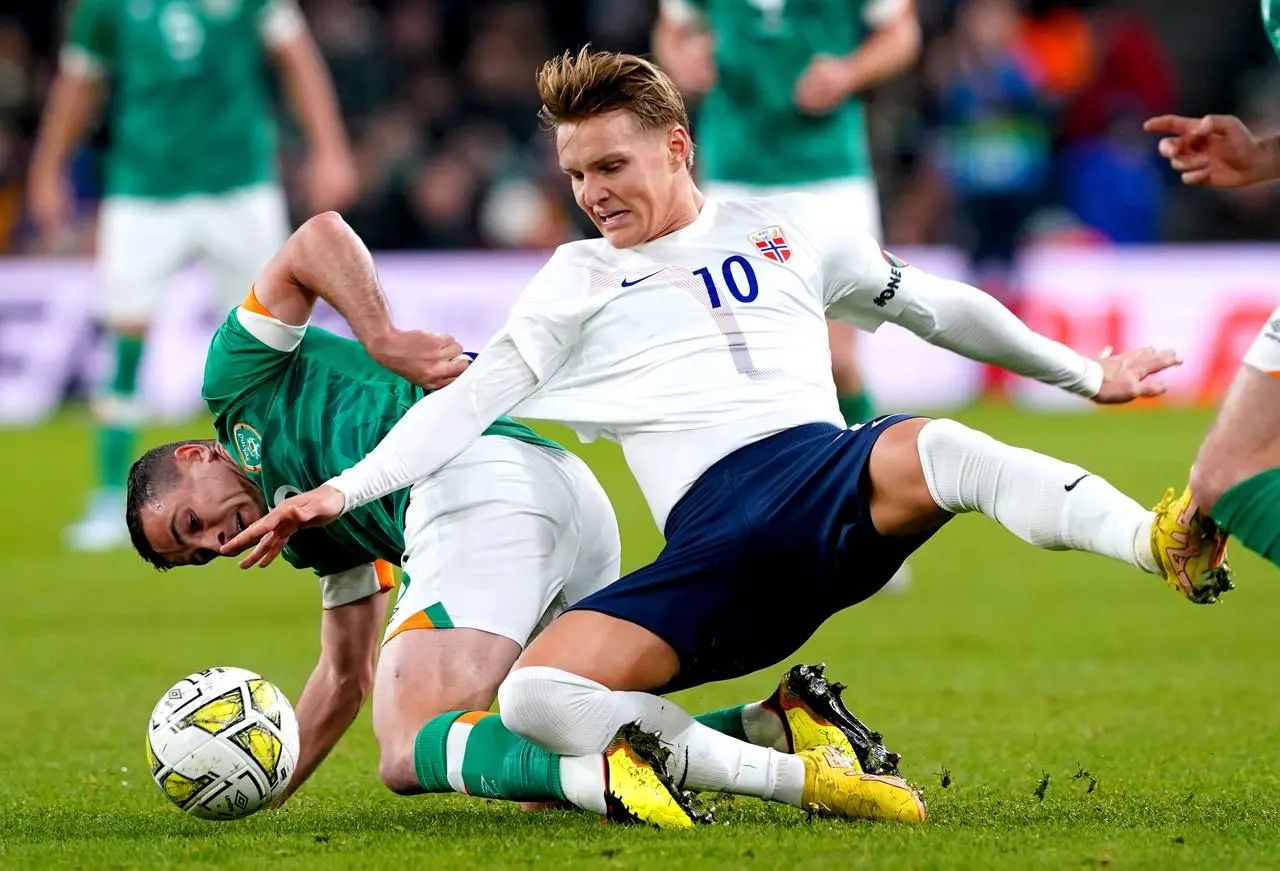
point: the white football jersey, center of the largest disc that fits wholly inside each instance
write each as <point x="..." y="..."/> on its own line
<point x="691" y="346"/>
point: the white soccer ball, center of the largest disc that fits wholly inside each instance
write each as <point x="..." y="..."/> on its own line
<point x="222" y="743"/>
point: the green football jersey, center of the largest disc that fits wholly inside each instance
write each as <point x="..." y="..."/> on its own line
<point x="294" y="419"/>
<point x="190" y="110"/>
<point x="1271" y="20"/>
<point x="749" y="129"/>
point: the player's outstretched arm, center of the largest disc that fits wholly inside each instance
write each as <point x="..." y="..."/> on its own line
<point x="339" y="684"/>
<point x="966" y="320"/>
<point x="1216" y="150"/>
<point x="325" y="259"/>
<point x="435" y="430"/>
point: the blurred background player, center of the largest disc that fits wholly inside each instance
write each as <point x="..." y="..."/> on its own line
<point x="190" y="173"/>
<point x="1236" y="477"/>
<point x="780" y="83"/>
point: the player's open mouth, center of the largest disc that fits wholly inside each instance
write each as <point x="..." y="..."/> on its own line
<point x="612" y="219"/>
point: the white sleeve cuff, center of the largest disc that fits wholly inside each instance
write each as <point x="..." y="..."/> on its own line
<point x="350" y="586"/>
<point x="77" y="62"/>
<point x="280" y="23"/>
<point x="275" y="334"/>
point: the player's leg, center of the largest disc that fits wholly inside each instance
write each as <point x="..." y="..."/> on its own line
<point x="142" y="244"/>
<point x="562" y="708"/>
<point x="592" y="671"/>
<point x="240" y="233"/>
<point x="491" y="540"/>
<point x="805" y="711"/>
<point x="924" y="471"/>
<point x="1236" y="477"/>
<point x="432" y="693"/>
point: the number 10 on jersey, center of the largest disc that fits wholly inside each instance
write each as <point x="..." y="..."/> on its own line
<point x="729" y="270"/>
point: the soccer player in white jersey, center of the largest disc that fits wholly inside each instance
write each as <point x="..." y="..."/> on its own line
<point x="694" y="334"/>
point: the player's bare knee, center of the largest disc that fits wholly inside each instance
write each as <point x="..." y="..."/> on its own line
<point x="901" y="503"/>
<point x="396" y="767"/>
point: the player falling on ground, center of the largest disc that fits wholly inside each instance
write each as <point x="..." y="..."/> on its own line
<point x="497" y="543"/>
<point x="781" y="110"/>
<point x="708" y="362"/>
<point x="191" y="174"/>
<point x="1236" y="476"/>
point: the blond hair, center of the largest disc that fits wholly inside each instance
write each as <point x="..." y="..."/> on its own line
<point x="575" y="88"/>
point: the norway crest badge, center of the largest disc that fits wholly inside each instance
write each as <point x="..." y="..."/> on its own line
<point x="772" y="244"/>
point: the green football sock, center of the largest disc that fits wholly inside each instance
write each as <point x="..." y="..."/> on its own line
<point x="857" y="408"/>
<point x="726" y="721"/>
<point x="753" y="723"/>
<point x="116" y="431"/>
<point x="1250" y="511"/>
<point x="494" y="763"/>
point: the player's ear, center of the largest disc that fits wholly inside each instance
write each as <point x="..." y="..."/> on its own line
<point x="679" y="147"/>
<point x="192" y="452"/>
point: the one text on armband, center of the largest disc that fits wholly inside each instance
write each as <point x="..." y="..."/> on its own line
<point x="891" y="289"/>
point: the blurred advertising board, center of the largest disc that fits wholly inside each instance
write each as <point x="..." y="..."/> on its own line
<point x="1208" y="302"/>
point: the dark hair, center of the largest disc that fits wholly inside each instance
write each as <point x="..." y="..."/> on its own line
<point x="154" y="473"/>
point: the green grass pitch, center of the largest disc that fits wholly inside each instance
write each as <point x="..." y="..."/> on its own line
<point x="1152" y="724"/>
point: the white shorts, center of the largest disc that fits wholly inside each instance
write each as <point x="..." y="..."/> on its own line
<point x="503" y="539"/>
<point x="1264" y="353"/>
<point x="857" y="197"/>
<point x="144" y="243"/>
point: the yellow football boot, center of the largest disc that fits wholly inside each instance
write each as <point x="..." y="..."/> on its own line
<point x="638" y="788"/>
<point x="1189" y="549"/>
<point x="835" y="785"/>
<point x="814" y="715"/>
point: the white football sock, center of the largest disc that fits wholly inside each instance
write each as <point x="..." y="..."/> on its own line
<point x="573" y="716"/>
<point x="1049" y="503"/>
<point x="582" y="780"/>
<point x="763" y="727"/>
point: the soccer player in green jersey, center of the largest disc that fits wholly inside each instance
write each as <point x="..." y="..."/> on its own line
<point x="1236" y="476"/>
<point x="190" y="174"/>
<point x="500" y="542"/>
<point x="781" y="111"/>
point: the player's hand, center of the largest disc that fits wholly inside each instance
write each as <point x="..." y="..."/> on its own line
<point x="332" y="181"/>
<point x="824" y="85"/>
<point x="50" y="202"/>
<point x="1214" y="151"/>
<point x="317" y="507"/>
<point x="1125" y="376"/>
<point x="432" y="360"/>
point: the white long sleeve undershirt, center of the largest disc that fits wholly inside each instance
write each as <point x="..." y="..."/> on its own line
<point x="971" y="323"/>
<point x="945" y="313"/>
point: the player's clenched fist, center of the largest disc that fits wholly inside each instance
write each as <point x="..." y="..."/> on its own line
<point x="432" y="360"/>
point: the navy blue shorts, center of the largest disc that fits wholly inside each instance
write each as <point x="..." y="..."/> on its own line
<point x="766" y="545"/>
